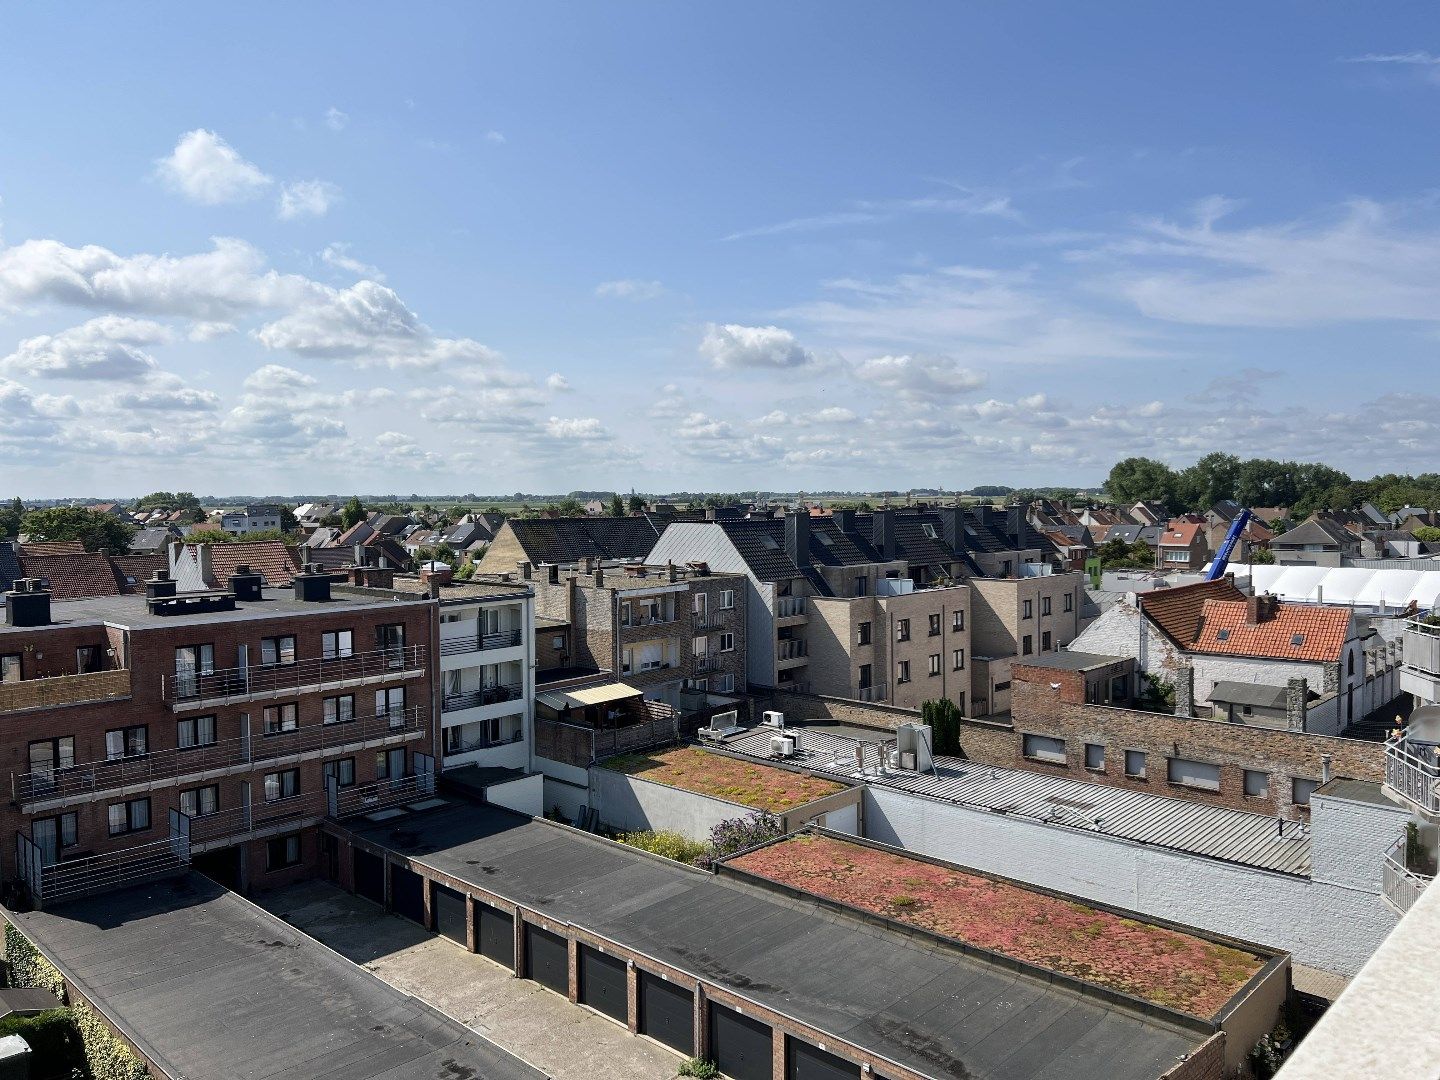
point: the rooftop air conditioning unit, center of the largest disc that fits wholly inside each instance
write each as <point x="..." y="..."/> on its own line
<point x="772" y="719"/>
<point x="782" y="746"/>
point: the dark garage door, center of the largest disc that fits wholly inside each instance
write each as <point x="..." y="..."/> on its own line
<point x="407" y="893"/>
<point x="740" y="1045"/>
<point x="547" y="959"/>
<point x="667" y="1013"/>
<point x="806" y="1062"/>
<point x="602" y="983"/>
<point x="449" y="907"/>
<point x="495" y="931"/>
<point x="370" y="876"/>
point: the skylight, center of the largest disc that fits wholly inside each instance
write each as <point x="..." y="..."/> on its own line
<point x="1297" y="639"/>
<point x="929" y="530"/>
<point x="768" y="541"/>
<point x="825" y="539"/>
<point x="1222" y="635"/>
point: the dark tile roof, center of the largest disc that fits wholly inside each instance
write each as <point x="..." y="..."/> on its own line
<point x="567" y="540"/>
<point x="73" y="577"/>
<point x="1316" y="531"/>
<point x="9" y="564"/>
<point x="138" y="567"/>
<point x="52" y="547"/>
<point x="1178" y="611"/>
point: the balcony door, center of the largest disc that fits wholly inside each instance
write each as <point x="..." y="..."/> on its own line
<point x="191" y="662"/>
<point x="47" y="757"/>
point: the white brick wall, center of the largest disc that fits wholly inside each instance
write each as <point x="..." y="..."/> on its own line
<point x="1333" y="921"/>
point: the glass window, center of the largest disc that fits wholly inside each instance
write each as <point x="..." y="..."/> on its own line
<point x="725" y="684"/>
<point x="390" y="636"/>
<point x="1135" y="763"/>
<point x="277" y="650"/>
<point x="1257" y="784"/>
<point x="957" y="620"/>
<point x="957" y="659"/>
<point x="282" y="785"/>
<point x="197" y="802"/>
<point x="1095" y="756"/>
<point x="902" y="630"/>
<point x="340" y="710"/>
<point x="865" y="676"/>
<point x="935" y="663"/>
<point x="128" y="817"/>
<point x="195" y="731"/>
<point x="282" y="852"/>
<point x="391" y="702"/>
<point x="389" y="764"/>
<point x="344" y="770"/>
<point x="280" y="718"/>
<point x="337" y="643"/>
<point x="727" y="599"/>
<point x="126" y="742"/>
<point x="727" y="642"/>
<point x="1027" y="609"/>
<point x="934" y="624"/>
<point x="1301" y="790"/>
<point x="1069" y="602"/>
<point x="1027" y="645"/>
<point x="87" y="659"/>
<point x="862" y="633"/>
<point x="1045" y="641"/>
<point x="902" y="671"/>
<point x="10" y="668"/>
<point x="1045" y="605"/>
<point x="1044" y="748"/>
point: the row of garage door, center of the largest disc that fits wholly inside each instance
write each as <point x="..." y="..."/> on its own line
<point x="741" y="1046"/>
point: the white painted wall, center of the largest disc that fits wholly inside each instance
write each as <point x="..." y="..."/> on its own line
<point x="844" y="820"/>
<point x="568" y="797"/>
<point x="525" y="795"/>
<point x="1329" y="923"/>
<point x="630" y="804"/>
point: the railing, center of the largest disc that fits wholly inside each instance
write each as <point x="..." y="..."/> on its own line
<point x="789" y="649"/>
<point x="704" y="663"/>
<point x="1411" y="775"/>
<point x="874" y="692"/>
<point x="1400" y="885"/>
<point x="368" y="798"/>
<point x="483" y="742"/>
<point x="504" y="639"/>
<point x="64" y="690"/>
<point x="229" y="684"/>
<point x="1421" y="649"/>
<point x="254" y="816"/>
<point x="788" y="607"/>
<point x="52" y="883"/>
<point x="649" y="620"/>
<point x="163" y="765"/>
<point x="486" y="695"/>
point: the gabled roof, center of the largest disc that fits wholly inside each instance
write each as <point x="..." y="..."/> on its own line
<point x="150" y="540"/>
<point x="272" y="558"/>
<point x="52" y="547"/>
<point x="1306" y="632"/>
<point x="73" y="577"/>
<point x="1177" y="611"/>
<point x="1131" y="533"/>
<point x="134" y="570"/>
<point x="9" y="565"/>
<point x="1226" y="509"/>
<point x="1317" y="530"/>
<point x="1254" y="694"/>
<point x="567" y="540"/>
<point x="1181" y="534"/>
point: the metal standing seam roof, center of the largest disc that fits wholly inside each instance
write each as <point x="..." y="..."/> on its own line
<point x="1215" y="832"/>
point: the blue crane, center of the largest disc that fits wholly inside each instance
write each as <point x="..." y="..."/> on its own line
<point x="1222" y="557"/>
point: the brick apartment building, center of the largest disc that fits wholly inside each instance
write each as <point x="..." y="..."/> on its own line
<point x="220" y="724"/>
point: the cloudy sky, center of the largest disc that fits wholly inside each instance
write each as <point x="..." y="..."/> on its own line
<point x="324" y="247"/>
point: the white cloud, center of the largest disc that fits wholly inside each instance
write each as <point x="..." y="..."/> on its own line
<point x="338" y="255"/>
<point x="336" y="120"/>
<point x="209" y="331"/>
<point x="104" y="348"/>
<point x="495" y="137"/>
<point x="1419" y="58"/>
<point x="307" y="198"/>
<point x="277" y="379"/>
<point x="169" y="399"/>
<point x="919" y="376"/>
<point x="204" y="168"/>
<point x="876" y="211"/>
<point x="731" y="347"/>
<point x="558" y="383"/>
<point x="401" y="449"/>
<point x="577" y="428"/>
<point x="629" y="289"/>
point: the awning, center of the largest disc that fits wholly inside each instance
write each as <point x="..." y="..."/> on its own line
<point x="590" y="695"/>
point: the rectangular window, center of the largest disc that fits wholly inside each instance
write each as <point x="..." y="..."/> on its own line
<point x="1045" y="605"/>
<point x="1069" y="602"/>
<point x="727" y="599"/>
<point x="282" y="785"/>
<point x="10" y="668"/>
<point x="1135" y="764"/>
<point x="1027" y="609"/>
<point x="1201" y="775"/>
<point x="390" y="637"/>
<point x="902" y="630"/>
<point x="957" y="621"/>
<point x="862" y="633"/>
<point x="727" y="642"/>
<point x="701" y="606"/>
<point x="47" y="757"/>
<point x="277" y="650"/>
<point x="197" y="802"/>
<point x="1257" y="784"/>
<point x="87" y="659"/>
<point x="865" y="676"/>
<point x="126" y="742"/>
<point x="129" y="817"/>
<point x="55" y="834"/>
<point x="280" y="718"/>
<point x="389" y="764"/>
<point x="337" y="643"/>
<point x="1301" y="790"/>
<point x="935" y="624"/>
<point x="391" y="702"/>
<point x="1044" y="748"/>
<point x="725" y="684"/>
<point x="340" y="710"/>
<point x="1027" y="645"/>
<point x="902" y="671"/>
<point x="1095" y="756"/>
<point x="862" y="586"/>
<point x="935" y="663"/>
<point x="344" y="769"/>
<point x="282" y="852"/>
<point x="1045" y="641"/>
<point x="957" y="659"/>
<point x="195" y="731"/>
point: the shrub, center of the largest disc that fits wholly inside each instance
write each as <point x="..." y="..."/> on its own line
<point x="700" y="1069"/>
<point x="108" y="1056"/>
<point x="737" y="834"/>
<point x="28" y="967"/>
<point x="54" y="1039"/>
<point x="670" y="845"/>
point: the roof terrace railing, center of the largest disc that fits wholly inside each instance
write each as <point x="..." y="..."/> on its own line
<point x="1400" y="885"/>
<point x="1412" y="770"/>
<point x="504" y="639"/>
<point x="238" y="683"/>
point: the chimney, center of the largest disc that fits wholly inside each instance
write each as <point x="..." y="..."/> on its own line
<point x="432" y="579"/>
<point x="27" y="604"/>
<point x="357" y="554"/>
<point x="1015" y="524"/>
<point x="246" y="584"/>
<point x="797" y="537"/>
<point x="670" y="570"/>
<point x="526" y="571"/>
<point x="882" y="533"/>
<point x="554" y="573"/>
<point x="844" y="520"/>
<point x="160" y="584"/>
<point x="203" y="561"/>
<point x="174" y="549"/>
<point x="587" y="565"/>
<point x="311" y="585"/>
<point x="1185" y="691"/>
<point x="1325" y="771"/>
<point x="1297" y="699"/>
<point x="599" y="576"/>
<point x="952" y="528"/>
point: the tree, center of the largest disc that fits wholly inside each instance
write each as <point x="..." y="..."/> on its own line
<point x="1137" y="479"/>
<point x="636" y="504"/>
<point x="617" y="507"/>
<point x="352" y="513"/>
<point x="569" y="507"/>
<point x="11" y="517"/>
<point x="157" y="500"/>
<point x="98" y="532"/>
<point x="1118" y="555"/>
<point x="1428" y="533"/>
<point x="1262" y="557"/>
<point x="289" y="523"/>
<point x="944" y="718"/>
<point x="1209" y="481"/>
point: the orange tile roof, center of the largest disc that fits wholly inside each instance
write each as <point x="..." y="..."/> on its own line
<point x="1177" y="611"/>
<point x="52" y="547"/>
<point x="1180" y="533"/>
<point x="1294" y="632"/>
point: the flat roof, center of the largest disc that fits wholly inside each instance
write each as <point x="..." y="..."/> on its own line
<point x="131" y="611"/>
<point x="926" y="1006"/>
<point x="207" y="984"/>
<point x="1064" y="660"/>
<point x="1366" y="791"/>
<point x="1159" y="820"/>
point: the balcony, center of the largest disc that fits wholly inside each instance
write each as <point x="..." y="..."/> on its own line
<point x="874" y="692"/>
<point x="1412" y="772"/>
<point x="790" y="607"/>
<point x="203" y="690"/>
<point x="383" y="794"/>
<point x="1420" y="674"/>
<point x="64" y="690"/>
<point x="639" y="621"/>
<point x="703" y="663"/>
<point x="1400" y="886"/>
<point x="256" y="819"/>
<point x="504" y="639"/>
<point x="482" y="742"/>
<point x="486" y="695"/>
<point x="34" y="790"/>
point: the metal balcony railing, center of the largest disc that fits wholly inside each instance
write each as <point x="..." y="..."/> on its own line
<point x="504" y="639"/>
<point x="1400" y="885"/>
<point x="649" y="620"/>
<point x="53" y="882"/>
<point x="874" y="692"/>
<point x="1412" y="770"/>
<point x="165" y="765"/>
<point x="788" y="607"/>
<point x="257" y="816"/>
<point x="704" y="663"/>
<point x="482" y="742"/>
<point x="486" y="695"/>
<point x="368" y="798"/>
<point x="234" y="684"/>
<point x="789" y="649"/>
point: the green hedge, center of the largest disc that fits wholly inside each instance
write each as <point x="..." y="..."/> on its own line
<point x="28" y="967"/>
<point x="54" y="1041"/>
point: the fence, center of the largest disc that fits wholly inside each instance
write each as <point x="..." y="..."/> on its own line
<point x="1411" y="775"/>
<point x="1400" y="885"/>
<point x="55" y="882"/>
<point x="64" y="690"/>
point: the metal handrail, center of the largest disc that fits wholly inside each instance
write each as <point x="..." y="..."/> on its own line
<point x="169" y="764"/>
<point x="367" y="798"/>
<point x="227" y="684"/>
<point x="1400" y="885"/>
<point x="249" y="817"/>
<point x="791" y="649"/>
<point x="484" y="743"/>
<point x="486" y="695"/>
<point x="1412" y="776"/>
<point x="789" y="606"/>
<point x="504" y="639"/>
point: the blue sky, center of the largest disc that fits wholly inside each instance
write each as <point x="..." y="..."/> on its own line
<point x="539" y="247"/>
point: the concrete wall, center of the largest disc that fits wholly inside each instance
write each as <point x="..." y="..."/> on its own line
<point x="1324" y="924"/>
<point x="525" y="795"/>
<point x="630" y="804"/>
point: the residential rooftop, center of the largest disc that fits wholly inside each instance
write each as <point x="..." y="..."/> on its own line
<point x="1065" y="660"/>
<point x="749" y="783"/>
